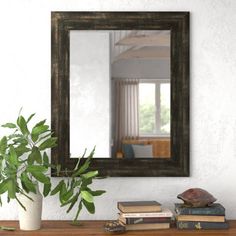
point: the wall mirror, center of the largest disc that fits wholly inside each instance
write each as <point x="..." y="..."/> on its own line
<point x="120" y="82"/>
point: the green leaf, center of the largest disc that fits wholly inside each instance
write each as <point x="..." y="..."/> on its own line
<point x="49" y="143"/>
<point x="82" y="169"/>
<point x="30" y="117"/>
<point x="35" y="155"/>
<point x="20" y="140"/>
<point x="21" y="149"/>
<point x="11" y="187"/>
<point x="78" y="162"/>
<point x="36" y="168"/>
<point x="45" y="136"/>
<point x="62" y="192"/>
<point x="72" y="201"/>
<point x="89" y="206"/>
<point x="90" y="174"/>
<point x="11" y="136"/>
<point x="3" y="186"/>
<point x="9" y="125"/>
<point x="28" y="184"/>
<point x="57" y="188"/>
<point x="7" y="228"/>
<point x="42" y="122"/>
<point x="77" y="183"/>
<point x="40" y="129"/>
<point x="3" y="145"/>
<point x="10" y="170"/>
<point x="45" y="159"/>
<point x="13" y="157"/>
<point x="24" y="187"/>
<point x="85" y="183"/>
<point x="67" y="195"/>
<point x="22" y="125"/>
<point x="85" y="166"/>
<point x="38" y="156"/>
<point x="37" y="130"/>
<point x="97" y="192"/>
<point x="30" y="159"/>
<point x="41" y="177"/>
<point x="46" y="189"/>
<point x="92" y="153"/>
<point x="88" y="197"/>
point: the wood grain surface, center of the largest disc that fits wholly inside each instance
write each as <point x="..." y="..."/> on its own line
<point x="89" y="228"/>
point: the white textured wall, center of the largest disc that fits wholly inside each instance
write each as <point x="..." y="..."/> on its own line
<point x="25" y="80"/>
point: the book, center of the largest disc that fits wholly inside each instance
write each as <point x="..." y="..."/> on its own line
<point x="203" y="218"/>
<point x="143" y="220"/>
<point x="201" y="225"/>
<point x="214" y="209"/>
<point x="139" y="206"/>
<point x="164" y="213"/>
<point x="148" y="226"/>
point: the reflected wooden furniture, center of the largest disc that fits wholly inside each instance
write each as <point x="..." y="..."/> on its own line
<point x="95" y="228"/>
<point x="160" y="146"/>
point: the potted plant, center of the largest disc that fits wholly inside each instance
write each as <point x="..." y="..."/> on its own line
<point x="24" y="163"/>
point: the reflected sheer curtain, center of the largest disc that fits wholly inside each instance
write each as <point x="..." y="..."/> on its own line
<point x="126" y="110"/>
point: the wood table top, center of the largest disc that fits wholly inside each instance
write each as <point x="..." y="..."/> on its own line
<point x="92" y="228"/>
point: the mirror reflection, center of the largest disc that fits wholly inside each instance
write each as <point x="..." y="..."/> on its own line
<point x="120" y="93"/>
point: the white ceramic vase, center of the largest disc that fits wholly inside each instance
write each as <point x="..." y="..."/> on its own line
<point x="31" y="218"/>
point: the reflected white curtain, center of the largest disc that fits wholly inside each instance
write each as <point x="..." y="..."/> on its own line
<point x="126" y="110"/>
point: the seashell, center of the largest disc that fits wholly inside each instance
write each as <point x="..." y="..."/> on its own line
<point x="114" y="227"/>
<point x="197" y="197"/>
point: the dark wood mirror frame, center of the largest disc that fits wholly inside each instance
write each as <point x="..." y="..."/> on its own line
<point x="178" y="23"/>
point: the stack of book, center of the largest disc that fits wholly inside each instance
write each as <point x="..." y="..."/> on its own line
<point x="211" y="217"/>
<point x="144" y="215"/>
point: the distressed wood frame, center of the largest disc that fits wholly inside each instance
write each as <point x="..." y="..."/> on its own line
<point x="178" y="23"/>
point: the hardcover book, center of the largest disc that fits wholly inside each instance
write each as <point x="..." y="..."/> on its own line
<point x="201" y="225"/>
<point x="143" y="220"/>
<point x="139" y="206"/>
<point x="147" y="226"/>
<point x="203" y="218"/>
<point x="164" y="213"/>
<point x="214" y="209"/>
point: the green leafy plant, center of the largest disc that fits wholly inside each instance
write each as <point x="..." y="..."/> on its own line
<point x="24" y="162"/>
<point x="75" y="191"/>
<point x="23" y="158"/>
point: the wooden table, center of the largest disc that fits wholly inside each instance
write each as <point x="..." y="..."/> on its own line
<point x="89" y="228"/>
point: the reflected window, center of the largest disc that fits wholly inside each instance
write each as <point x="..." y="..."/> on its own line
<point x="154" y="108"/>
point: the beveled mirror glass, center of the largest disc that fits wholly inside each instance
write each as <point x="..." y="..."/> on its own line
<point x="120" y="81"/>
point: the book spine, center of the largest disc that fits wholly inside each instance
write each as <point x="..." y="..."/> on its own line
<point x="201" y="225"/>
<point x="141" y="215"/>
<point x="142" y="220"/>
<point x="148" y="226"/>
<point x="198" y="218"/>
<point x="199" y="211"/>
